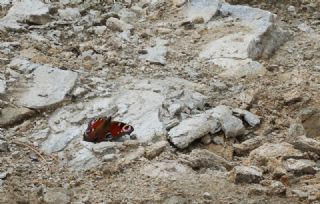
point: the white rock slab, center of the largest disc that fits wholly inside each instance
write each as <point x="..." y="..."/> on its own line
<point x="193" y="128"/>
<point x="202" y="8"/>
<point x="48" y="87"/>
<point x="83" y="159"/>
<point x="256" y="35"/>
<point x="58" y="142"/>
<point x="3" y="86"/>
<point x="21" y="10"/>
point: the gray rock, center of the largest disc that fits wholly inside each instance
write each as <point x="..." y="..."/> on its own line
<point x="3" y="86"/>
<point x="236" y="52"/>
<point x="296" y="129"/>
<point x="57" y="195"/>
<point x="205" y="9"/>
<point x="192" y="128"/>
<point x="38" y="19"/>
<point x="306" y="144"/>
<point x="271" y="151"/>
<point x="247" y="146"/>
<point x="166" y="169"/>
<point x="252" y="119"/>
<point x="118" y="25"/>
<point x="200" y="158"/>
<point x="22" y="10"/>
<point x="133" y="156"/>
<point x="43" y="90"/>
<point x="11" y="116"/>
<point x="155" y="55"/>
<point x="3" y="175"/>
<point x="58" y="141"/>
<point x="276" y="188"/>
<point x="175" y="200"/>
<point x="105" y="148"/>
<point x="231" y="125"/>
<point x="109" y="157"/>
<point x="155" y="149"/>
<point x="246" y="174"/>
<point x="300" y="167"/>
<point x="4" y="147"/>
<point x="82" y="160"/>
<point x="69" y="14"/>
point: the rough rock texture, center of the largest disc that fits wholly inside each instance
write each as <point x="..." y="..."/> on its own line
<point x="43" y="90"/>
<point x="11" y="116"/>
<point x="246" y="174"/>
<point x="247" y="146"/>
<point x="304" y="143"/>
<point x="301" y="166"/>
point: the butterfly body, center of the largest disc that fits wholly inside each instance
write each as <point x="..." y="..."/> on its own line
<point x="103" y="129"/>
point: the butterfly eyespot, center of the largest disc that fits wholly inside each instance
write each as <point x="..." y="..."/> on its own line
<point x="126" y="128"/>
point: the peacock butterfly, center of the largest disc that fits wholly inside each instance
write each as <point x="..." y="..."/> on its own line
<point x="104" y="129"/>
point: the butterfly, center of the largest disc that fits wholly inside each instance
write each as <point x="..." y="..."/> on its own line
<point x="103" y="129"/>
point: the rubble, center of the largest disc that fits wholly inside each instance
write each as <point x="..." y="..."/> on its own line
<point x="246" y="174"/>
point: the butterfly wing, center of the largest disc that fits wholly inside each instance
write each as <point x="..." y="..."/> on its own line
<point x="96" y="130"/>
<point x="118" y="129"/>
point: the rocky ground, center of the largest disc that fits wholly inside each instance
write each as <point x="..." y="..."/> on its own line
<point x="223" y="97"/>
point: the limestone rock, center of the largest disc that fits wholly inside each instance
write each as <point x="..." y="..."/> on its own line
<point x="231" y="125"/>
<point x="4" y="147"/>
<point x="22" y="10"/>
<point x="201" y="8"/>
<point x="246" y="174"/>
<point x="43" y="90"/>
<point x="247" y="146"/>
<point x="155" y="55"/>
<point x="252" y="119"/>
<point x="105" y="148"/>
<point x="304" y="143"/>
<point x="300" y="167"/>
<point x="11" y="116"/>
<point x="57" y="195"/>
<point x="118" y="25"/>
<point x="155" y="149"/>
<point x="191" y="129"/>
<point x="69" y="14"/>
<point x="268" y="151"/>
<point x="82" y="160"/>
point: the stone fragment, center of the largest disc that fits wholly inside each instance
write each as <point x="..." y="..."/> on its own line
<point x="231" y="125"/>
<point x="306" y="144"/>
<point x="202" y="9"/>
<point x="224" y="151"/>
<point x="3" y="175"/>
<point x="246" y="174"/>
<point x="69" y="14"/>
<point x="252" y="119"/>
<point x="22" y="10"/>
<point x="118" y="25"/>
<point x="109" y="157"/>
<point x="200" y="158"/>
<point x="300" y="167"/>
<point x="247" y="146"/>
<point x="38" y="19"/>
<point x="82" y="160"/>
<point x="11" y="116"/>
<point x="58" y="141"/>
<point x="296" y="129"/>
<point x="133" y="156"/>
<point x="310" y="118"/>
<point x="267" y="151"/>
<point x="57" y="195"/>
<point x="292" y="96"/>
<point x="3" y="86"/>
<point x="274" y="187"/>
<point x="105" y="148"/>
<point x="155" y="149"/>
<point x="4" y="147"/>
<point x="178" y="3"/>
<point x="166" y="169"/>
<point x="43" y="90"/>
<point x="155" y="55"/>
<point x="191" y="129"/>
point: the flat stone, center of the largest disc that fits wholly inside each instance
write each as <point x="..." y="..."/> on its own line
<point x="231" y="125"/>
<point x="58" y="141"/>
<point x="252" y="119"/>
<point x="43" y="90"/>
<point x="105" y="148"/>
<point x="247" y="146"/>
<point x="133" y="156"/>
<point x="246" y="174"/>
<point x="82" y="160"/>
<point x="4" y="147"/>
<point x="155" y="149"/>
<point x="57" y="195"/>
<point x="3" y="86"/>
<point x="118" y="25"/>
<point x="155" y="55"/>
<point x="109" y="157"/>
<point x="3" y="175"/>
<point x="306" y="144"/>
<point x="69" y="14"/>
<point x="201" y="8"/>
<point x="257" y="35"/>
<point x="300" y="167"/>
<point x="201" y="158"/>
<point x="22" y="10"/>
<point x="268" y="151"/>
<point x="167" y="170"/>
<point x="191" y="129"/>
<point x="11" y="116"/>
